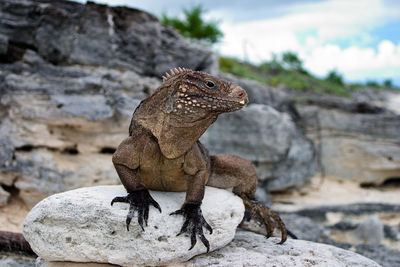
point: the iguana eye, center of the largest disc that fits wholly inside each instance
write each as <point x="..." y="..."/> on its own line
<point x="210" y="85"/>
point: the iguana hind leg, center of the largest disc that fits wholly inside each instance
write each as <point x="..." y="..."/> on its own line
<point x="230" y="171"/>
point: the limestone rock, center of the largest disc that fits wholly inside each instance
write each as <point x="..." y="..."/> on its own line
<point x="250" y="249"/>
<point x="80" y="225"/>
<point x="66" y="32"/>
<point x="303" y="227"/>
<point x="63" y="137"/>
<point x="380" y="253"/>
<point x="44" y="263"/>
<point x="359" y="146"/>
<point x="15" y="260"/>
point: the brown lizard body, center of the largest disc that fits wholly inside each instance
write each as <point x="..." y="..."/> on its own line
<point x="163" y="152"/>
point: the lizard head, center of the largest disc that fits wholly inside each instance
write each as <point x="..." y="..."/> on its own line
<point x="184" y="106"/>
<point x="198" y="94"/>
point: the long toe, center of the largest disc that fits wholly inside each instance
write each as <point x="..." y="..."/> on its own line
<point x="204" y="241"/>
<point x="193" y="239"/>
<point x="119" y="199"/>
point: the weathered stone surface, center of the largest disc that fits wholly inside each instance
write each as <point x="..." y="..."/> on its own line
<point x="303" y="227"/>
<point x="250" y="249"/>
<point x="44" y="263"/>
<point x="63" y="123"/>
<point x="357" y="146"/>
<point x="270" y="139"/>
<point x="66" y="32"/>
<point x="14" y="260"/>
<point x="356" y="138"/>
<point x="80" y="225"/>
<point x="380" y="253"/>
<point x="347" y="223"/>
<point x="390" y="232"/>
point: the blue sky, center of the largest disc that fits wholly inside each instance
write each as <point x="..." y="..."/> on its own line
<point x="358" y="38"/>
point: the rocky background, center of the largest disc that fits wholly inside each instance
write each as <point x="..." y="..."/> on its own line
<point x="71" y="76"/>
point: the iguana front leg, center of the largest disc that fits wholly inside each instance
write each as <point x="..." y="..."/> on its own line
<point x="196" y="167"/>
<point x="126" y="162"/>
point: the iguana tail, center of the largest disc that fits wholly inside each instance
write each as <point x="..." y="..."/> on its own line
<point x="15" y="243"/>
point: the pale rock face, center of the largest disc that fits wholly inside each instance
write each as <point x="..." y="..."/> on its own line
<point x="250" y="249"/>
<point x="362" y="147"/>
<point x="81" y="226"/>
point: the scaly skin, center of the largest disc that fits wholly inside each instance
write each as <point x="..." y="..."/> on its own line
<point x="163" y="153"/>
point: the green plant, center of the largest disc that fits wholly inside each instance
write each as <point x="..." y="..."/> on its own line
<point x="372" y="84"/>
<point x="193" y="26"/>
<point x="388" y="83"/>
<point x="291" y="79"/>
<point x="292" y="61"/>
<point x="334" y="77"/>
<point x="276" y="72"/>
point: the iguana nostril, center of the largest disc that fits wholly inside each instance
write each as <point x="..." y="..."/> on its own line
<point x="238" y="92"/>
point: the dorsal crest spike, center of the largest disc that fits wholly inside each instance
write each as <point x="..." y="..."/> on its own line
<point x="173" y="72"/>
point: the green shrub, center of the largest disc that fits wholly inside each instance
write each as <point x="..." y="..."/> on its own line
<point x="388" y="83"/>
<point x="292" y="61"/>
<point x="372" y="83"/>
<point x="291" y="79"/>
<point x="334" y="77"/>
<point x="193" y="25"/>
<point x="294" y="76"/>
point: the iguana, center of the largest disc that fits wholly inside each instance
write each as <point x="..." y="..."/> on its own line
<point x="163" y="152"/>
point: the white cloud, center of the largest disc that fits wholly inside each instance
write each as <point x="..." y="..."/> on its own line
<point x="356" y="62"/>
<point x="321" y="25"/>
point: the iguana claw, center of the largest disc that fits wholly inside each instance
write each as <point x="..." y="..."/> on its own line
<point x="139" y="201"/>
<point x="258" y="209"/>
<point x="194" y="222"/>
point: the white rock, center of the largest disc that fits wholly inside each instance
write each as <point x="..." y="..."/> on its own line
<point x="250" y="249"/>
<point x="81" y="226"/>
